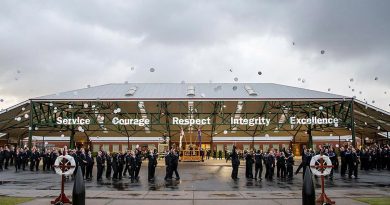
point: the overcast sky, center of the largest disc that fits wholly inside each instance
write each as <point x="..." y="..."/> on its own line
<point x="51" y="46"/>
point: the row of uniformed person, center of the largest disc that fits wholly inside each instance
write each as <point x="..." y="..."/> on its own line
<point x="171" y="163"/>
<point x="84" y="160"/>
<point x="375" y="157"/>
<point x="115" y="166"/>
<point x="349" y="161"/>
<point x="284" y="162"/>
<point x="119" y="164"/>
<point x="24" y="157"/>
<point x="129" y="163"/>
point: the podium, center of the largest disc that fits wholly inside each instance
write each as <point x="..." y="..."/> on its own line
<point x="191" y="156"/>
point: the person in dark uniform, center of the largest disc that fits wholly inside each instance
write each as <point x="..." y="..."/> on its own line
<point x="281" y="164"/>
<point x="364" y="156"/>
<point x="28" y="156"/>
<point x="343" y="162"/>
<point x="48" y="159"/>
<point x="174" y="164"/>
<point x="7" y="156"/>
<point x="53" y="158"/>
<point x="152" y="163"/>
<point x="228" y="156"/>
<point x="374" y="159"/>
<point x="127" y="163"/>
<point x="270" y="164"/>
<point x="100" y="164"/>
<point x="303" y="161"/>
<point x="1" y="158"/>
<point x="379" y="157"/>
<point x="89" y="165"/>
<point x="353" y="164"/>
<point x="249" y="165"/>
<point x="37" y="159"/>
<point x="126" y="166"/>
<point x="235" y="163"/>
<point x="115" y="159"/>
<point x="258" y="164"/>
<point x="167" y="165"/>
<point x="44" y="159"/>
<point x="334" y="158"/>
<point x="33" y="158"/>
<point x="132" y="166"/>
<point x="332" y="155"/>
<point x="109" y="165"/>
<point x="278" y="165"/>
<point x="76" y="159"/>
<point x="18" y="159"/>
<point x="83" y="161"/>
<point x="13" y="155"/>
<point x="385" y="158"/>
<point x="220" y="154"/>
<point x="24" y="159"/>
<point x="138" y="157"/>
<point x="348" y="159"/>
<point x="290" y="165"/>
<point x="309" y="156"/>
<point x="121" y="164"/>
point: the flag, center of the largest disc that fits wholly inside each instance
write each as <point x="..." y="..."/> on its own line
<point x="200" y="138"/>
<point x="181" y="138"/>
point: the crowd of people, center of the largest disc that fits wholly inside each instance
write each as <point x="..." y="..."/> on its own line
<point x="347" y="158"/>
<point x="118" y="165"/>
<point x="22" y="158"/>
<point x="283" y="160"/>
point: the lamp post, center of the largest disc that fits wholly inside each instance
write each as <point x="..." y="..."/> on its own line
<point x="128" y="142"/>
<point x="43" y="144"/>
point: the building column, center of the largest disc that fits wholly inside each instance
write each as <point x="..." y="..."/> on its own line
<point x="71" y="141"/>
<point x="353" y="124"/>
<point x="310" y="141"/>
<point x="31" y="126"/>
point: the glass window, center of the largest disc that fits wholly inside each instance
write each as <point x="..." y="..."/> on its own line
<point x="275" y="146"/>
<point x="219" y="147"/>
<point x="115" y="147"/>
<point x="133" y="146"/>
<point x="256" y="147"/>
<point x="106" y="147"/>
<point x="151" y="146"/>
<point x="124" y="147"/>
<point x="96" y="147"/>
<point x="229" y="147"/>
<point x="265" y="147"/>
<point x="246" y="147"/>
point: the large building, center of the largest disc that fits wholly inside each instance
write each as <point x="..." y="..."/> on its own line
<point x="213" y="115"/>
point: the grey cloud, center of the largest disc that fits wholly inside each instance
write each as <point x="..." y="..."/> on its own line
<point x="63" y="45"/>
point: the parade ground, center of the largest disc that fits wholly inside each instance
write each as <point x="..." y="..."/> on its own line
<point x="200" y="183"/>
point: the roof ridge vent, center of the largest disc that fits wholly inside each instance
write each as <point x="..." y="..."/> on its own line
<point x="191" y="91"/>
<point x="131" y="91"/>
<point x="250" y="90"/>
